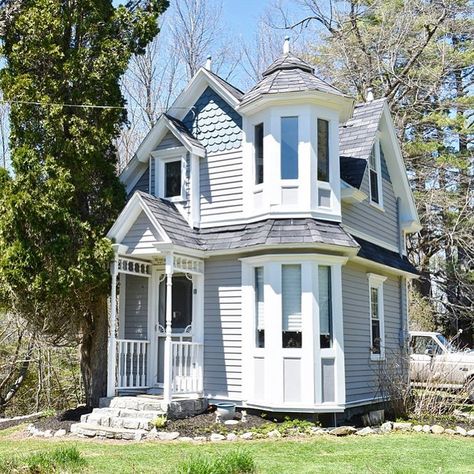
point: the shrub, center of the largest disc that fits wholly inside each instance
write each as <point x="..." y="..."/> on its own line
<point x="160" y="422"/>
<point x="233" y="462"/>
<point x="45" y="462"/>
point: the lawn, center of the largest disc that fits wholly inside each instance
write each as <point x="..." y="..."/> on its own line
<point x="392" y="453"/>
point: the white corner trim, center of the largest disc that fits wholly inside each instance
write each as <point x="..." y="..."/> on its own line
<point x="199" y="151"/>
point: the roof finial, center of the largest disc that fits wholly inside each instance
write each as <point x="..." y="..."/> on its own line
<point x="370" y="95"/>
<point x="286" y="45"/>
<point x="209" y="63"/>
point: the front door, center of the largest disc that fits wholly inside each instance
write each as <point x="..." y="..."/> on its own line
<point x="181" y="319"/>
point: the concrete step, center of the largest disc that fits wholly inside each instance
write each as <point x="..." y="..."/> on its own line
<point x="91" y="431"/>
<point x="135" y="403"/>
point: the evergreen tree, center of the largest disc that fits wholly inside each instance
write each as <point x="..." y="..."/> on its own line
<point x="64" y="194"/>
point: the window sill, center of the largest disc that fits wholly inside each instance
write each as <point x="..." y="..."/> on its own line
<point x="175" y="199"/>
<point x="377" y="357"/>
<point x="377" y="206"/>
<point x="258" y="188"/>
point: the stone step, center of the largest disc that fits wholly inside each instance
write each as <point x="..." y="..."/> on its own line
<point x="135" y="403"/>
<point x="127" y="413"/>
<point x="91" y="431"/>
<point x="133" y="423"/>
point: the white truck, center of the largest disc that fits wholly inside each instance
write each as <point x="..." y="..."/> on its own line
<point x="435" y="361"/>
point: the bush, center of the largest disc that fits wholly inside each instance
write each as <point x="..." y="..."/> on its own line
<point x="159" y="422"/>
<point x="45" y="462"/>
<point x="233" y="462"/>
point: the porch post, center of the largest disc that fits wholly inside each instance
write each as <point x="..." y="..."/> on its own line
<point x="112" y="348"/>
<point x="167" y="372"/>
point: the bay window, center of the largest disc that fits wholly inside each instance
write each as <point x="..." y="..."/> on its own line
<point x="325" y="306"/>
<point x="258" y="131"/>
<point x="291" y="306"/>
<point x="323" y="150"/>
<point x="289" y="148"/>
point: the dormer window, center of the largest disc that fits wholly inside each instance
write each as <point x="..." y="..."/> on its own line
<point x="323" y="150"/>
<point x="375" y="177"/>
<point x="289" y="148"/>
<point x="259" y="153"/>
<point x="173" y="179"/>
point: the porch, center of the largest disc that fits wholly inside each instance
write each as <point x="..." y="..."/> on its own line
<point x="156" y="329"/>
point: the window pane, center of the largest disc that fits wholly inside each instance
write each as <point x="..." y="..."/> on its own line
<point x="374" y="186"/>
<point x="325" y="307"/>
<point x="291" y="305"/>
<point x="173" y="179"/>
<point x="259" y="314"/>
<point x="289" y="148"/>
<point x="323" y="150"/>
<point x="375" y="320"/>
<point x="375" y="336"/>
<point x="259" y="153"/>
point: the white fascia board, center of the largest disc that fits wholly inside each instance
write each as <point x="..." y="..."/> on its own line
<point x="383" y="268"/>
<point x="195" y="150"/>
<point x="398" y="173"/>
<point x="352" y="195"/>
<point x="343" y="104"/>
<point x="201" y="80"/>
<point x="128" y="216"/>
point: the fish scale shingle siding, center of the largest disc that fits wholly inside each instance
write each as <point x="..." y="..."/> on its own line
<point x="214" y="123"/>
<point x="223" y="328"/>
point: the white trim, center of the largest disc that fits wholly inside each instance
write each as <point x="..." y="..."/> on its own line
<point x="378" y="170"/>
<point x="385" y="268"/>
<point x="376" y="282"/>
<point x="370" y="238"/>
<point x="351" y="195"/>
<point x="162" y="159"/>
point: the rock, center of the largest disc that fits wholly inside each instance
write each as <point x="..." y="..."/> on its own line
<point x="48" y="434"/>
<point x="185" y="439"/>
<point x="317" y="431"/>
<point x="470" y="433"/>
<point x="449" y="431"/>
<point x="231" y="422"/>
<point x="365" y="431"/>
<point x="402" y="426"/>
<point x="274" y="434"/>
<point x="60" y="433"/>
<point x="232" y="437"/>
<point x="200" y="438"/>
<point x="343" y="431"/>
<point x="152" y="434"/>
<point x="167" y="435"/>
<point x="418" y="428"/>
<point x="217" y="437"/>
<point x="139" y="435"/>
<point x="386" y="427"/>
<point x="437" y="429"/>
<point x="247" y="435"/>
<point x="426" y="428"/>
<point x="460" y="430"/>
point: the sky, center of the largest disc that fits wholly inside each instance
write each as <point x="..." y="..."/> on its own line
<point x="242" y="15"/>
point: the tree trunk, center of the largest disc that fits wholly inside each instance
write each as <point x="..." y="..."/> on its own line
<point x="94" y="354"/>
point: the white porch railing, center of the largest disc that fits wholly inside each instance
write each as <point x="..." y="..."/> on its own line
<point x="132" y="358"/>
<point x="186" y="367"/>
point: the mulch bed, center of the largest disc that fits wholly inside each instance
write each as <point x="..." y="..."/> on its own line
<point x="62" y="420"/>
<point x="205" y="424"/>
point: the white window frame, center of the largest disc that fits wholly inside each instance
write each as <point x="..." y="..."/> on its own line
<point x="168" y="156"/>
<point x="376" y="281"/>
<point x="378" y="170"/>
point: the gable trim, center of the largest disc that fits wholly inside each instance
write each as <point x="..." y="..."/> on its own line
<point x="129" y="215"/>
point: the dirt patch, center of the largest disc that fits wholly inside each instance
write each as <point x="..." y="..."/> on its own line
<point x="205" y="424"/>
<point x="62" y="420"/>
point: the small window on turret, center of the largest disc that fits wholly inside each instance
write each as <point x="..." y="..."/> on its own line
<point x="323" y="150"/>
<point x="259" y="153"/>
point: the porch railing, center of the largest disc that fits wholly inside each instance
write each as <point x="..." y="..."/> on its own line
<point x="132" y="358"/>
<point x="186" y="370"/>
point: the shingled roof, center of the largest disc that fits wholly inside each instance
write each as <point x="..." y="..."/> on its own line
<point x="357" y="135"/>
<point x="288" y="74"/>
<point x="184" y="131"/>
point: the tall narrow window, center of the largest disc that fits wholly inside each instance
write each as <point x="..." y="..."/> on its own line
<point x="291" y="306"/>
<point x="374" y="175"/>
<point x="259" y="308"/>
<point x="173" y="179"/>
<point x="325" y="306"/>
<point x="375" y="321"/>
<point x="259" y="153"/>
<point x="323" y="150"/>
<point x="289" y="148"/>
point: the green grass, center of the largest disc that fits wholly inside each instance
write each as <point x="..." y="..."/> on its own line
<point x="395" y="453"/>
<point x="239" y="461"/>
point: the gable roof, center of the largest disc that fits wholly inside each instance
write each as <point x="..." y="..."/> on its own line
<point x="352" y="170"/>
<point x="357" y="135"/>
<point x="237" y="93"/>
<point x="183" y="134"/>
<point x="288" y="74"/>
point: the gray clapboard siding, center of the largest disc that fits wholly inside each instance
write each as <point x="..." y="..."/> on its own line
<point x="143" y="184"/>
<point x="223" y="328"/>
<point x="136" y="307"/>
<point x="168" y="141"/>
<point x="366" y="218"/>
<point x="141" y="236"/>
<point x="221" y="186"/>
<point x="362" y="374"/>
